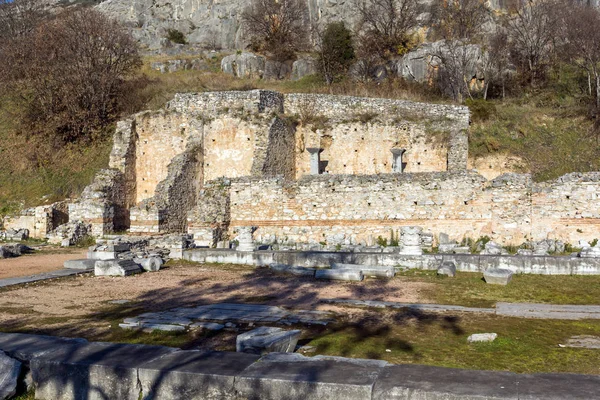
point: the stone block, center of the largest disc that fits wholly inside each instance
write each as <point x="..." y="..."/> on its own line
<point x="497" y="276"/>
<point x="193" y="375"/>
<point x="288" y="269"/>
<point x="447" y="268"/>
<point x="93" y="371"/>
<point x="24" y="347"/>
<point x="266" y="339"/>
<point x="209" y="326"/>
<point x="102" y="255"/>
<point x="340" y="274"/>
<point x="462" y="250"/>
<point x="378" y="271"/>
<point x="116" y="268"/>
<point x="295" y="377"/>
<point x="446" y="248"/>
<point x="10" y="369"/>
<point x="149" y="264"/>
<point x="482" y="337"/>
<point x="401" y="382"/>
<point x="84" y="263"/>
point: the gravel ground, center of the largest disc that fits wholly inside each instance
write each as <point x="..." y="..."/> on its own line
<point x="84" y="297"/>
<point x="46" y="260"/>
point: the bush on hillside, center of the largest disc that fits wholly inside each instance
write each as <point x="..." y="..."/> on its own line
<point x="70" y="75"/>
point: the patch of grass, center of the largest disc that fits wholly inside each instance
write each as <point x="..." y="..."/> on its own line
<point x="523" y="345"/>
<point x="469" y="289"/>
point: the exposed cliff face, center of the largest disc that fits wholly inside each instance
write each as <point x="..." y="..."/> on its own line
<point x="211" y="23"/>
<point x="215" y="23"/>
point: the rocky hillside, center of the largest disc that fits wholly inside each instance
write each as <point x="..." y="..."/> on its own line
<point x="215" y="24"/>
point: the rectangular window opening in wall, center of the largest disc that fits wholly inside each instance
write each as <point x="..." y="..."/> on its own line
<point x="466" y="202"/>
<point x="568" y="197"/>
<point x="416" y="204"/>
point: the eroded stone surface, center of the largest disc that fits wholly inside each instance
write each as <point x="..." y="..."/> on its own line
<point x="266" y="339"/>
<point x="9" y="375"/>
<point x="497" y="276"/>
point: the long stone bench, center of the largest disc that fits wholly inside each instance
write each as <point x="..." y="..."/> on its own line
<point x="65" y="369"/>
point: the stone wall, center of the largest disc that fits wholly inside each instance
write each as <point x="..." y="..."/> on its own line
<point x="40" y="220"/>
<point x="209" y="220"/>
<point x="162" y="159"/>
<point x="346" y="209"/>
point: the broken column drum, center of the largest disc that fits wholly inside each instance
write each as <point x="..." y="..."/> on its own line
<point x="245" y="240"/>
<point x="397" y="165"/>
<point x="411" y="240"/>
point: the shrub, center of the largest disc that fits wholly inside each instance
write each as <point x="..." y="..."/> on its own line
<point x="176" y="36"/>
<point x="336" y="52"/>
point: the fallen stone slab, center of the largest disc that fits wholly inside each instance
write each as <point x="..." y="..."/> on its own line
<point x="193" y="375"/>
<point x="497" y="276"/>
<point x="296" y="377"/>
<point x="209" y="326"/>
<point x="288" y="269"/>
<point x="10" y="369"/>
<point x="150" y="264"/>
<point x="447" y="268"/>
<point x="161" y="327"/>
<point x="412" y="306"/>
<point x="93" y="371"/>
<point x="84" y="263"/>
<point x="116" y="268"/>
<point x="377" y="271"/>
<point x="482" y="337"/>
<point x="340" y="274"/>
<point x="266" y="339"/>
<point x="584" y="342"/>
<point x="547" y="311"/>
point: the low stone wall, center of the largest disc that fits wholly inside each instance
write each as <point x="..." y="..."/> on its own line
<point x="65" y="369"/>
<point x="350" y="209"/>
<point x="39" y="221"/>
<point x="537" y="265"/>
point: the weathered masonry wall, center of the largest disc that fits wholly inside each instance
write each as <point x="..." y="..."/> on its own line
<point x="347" y="209"/>
<point x="161" y="160"/>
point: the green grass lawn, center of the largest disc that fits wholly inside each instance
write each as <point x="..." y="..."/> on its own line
<point x="523" y="345"/>
<point x="469" y="289"/>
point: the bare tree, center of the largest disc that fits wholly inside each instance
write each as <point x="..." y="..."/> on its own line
<point x="458" y="23"/>
<point x="71" y="73"/>
<point x="496" y="62"/>
<point x="277" y="27"/>
<point x="582" y="44"/>
<point x="385" y="26"/>
<point x="19" y="17"/>
<point x="533" y="31"/>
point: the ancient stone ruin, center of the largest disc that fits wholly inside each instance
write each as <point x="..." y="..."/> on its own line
<point x="316" y="169"/>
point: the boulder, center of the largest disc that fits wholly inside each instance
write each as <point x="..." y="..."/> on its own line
<point x="9" y="250"/>
<point x="10" y="369"/>
<point x="447" y="268"/>
<point x="266" y="339"/>
<point x="244" y="65"/>
<point x="116" y="268"/>
<point x="482" y="337"/>
<point x="497" y="276"/>
<point x="16" y="234"/>
<point x="276" y="70"/>
<point x="443" y="238"/>
<point x="303" y="67"/>
<point x="340" y="274"/>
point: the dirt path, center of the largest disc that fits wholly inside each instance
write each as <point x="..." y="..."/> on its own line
<point x="37" y="263"/>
